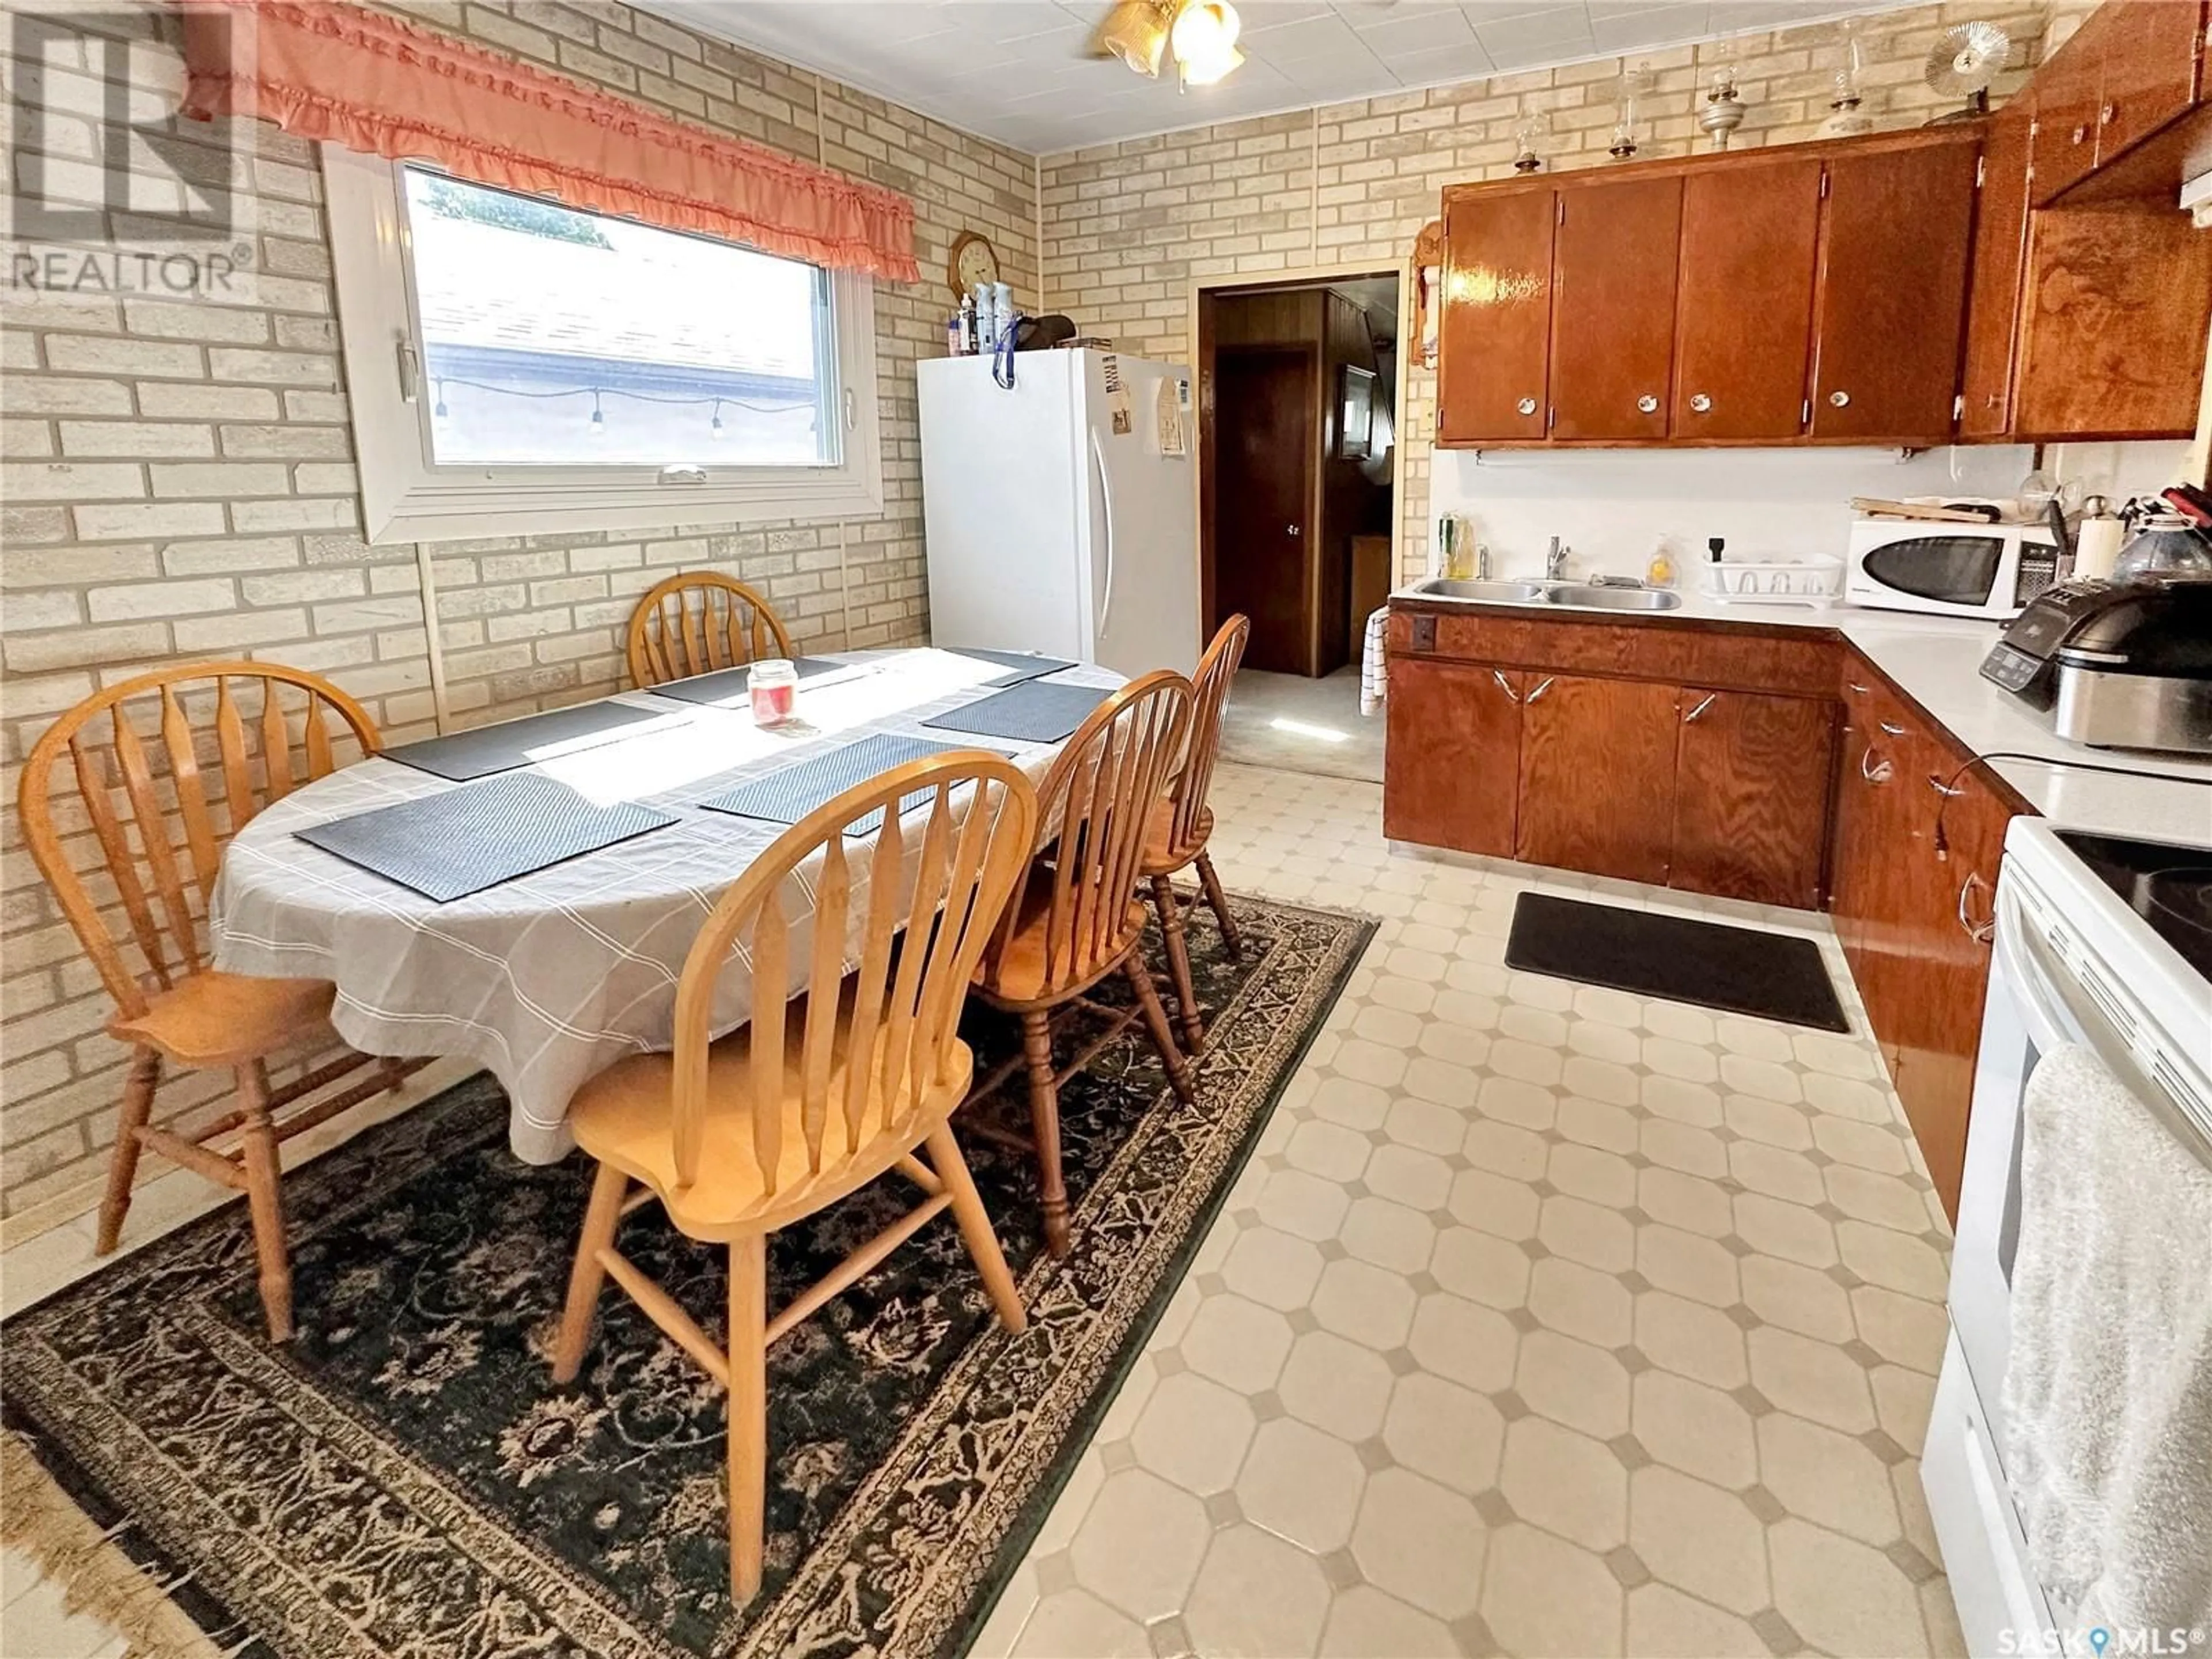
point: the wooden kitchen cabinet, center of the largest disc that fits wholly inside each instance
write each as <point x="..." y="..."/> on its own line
<point x="1993" y="295"/>
<point x="2152" y="63"/>
<point x="1598" y="775"/>
<point x="1493" y="357"/>
<point x="1613" y="309"/>
<point x="1453" y="738"/>
<point x="1892" y="290"/>
<point x="1752" y="779"/>
<point x="1743" y="336"/>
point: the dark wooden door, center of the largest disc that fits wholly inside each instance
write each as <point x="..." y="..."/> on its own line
<point x="1893" y="292"/>
<point x="1598" y="775"/>
<point x="1613" y="309"/>
<point x="1751" y="796"/>
<point x="2153" y="50"/>
<point x="1744" y="312"/>
<point x="1495" y="325"/>
<point x="1265" y="400"/>
<point x="1993" y="297"/>
<point x="1454" y="755"/>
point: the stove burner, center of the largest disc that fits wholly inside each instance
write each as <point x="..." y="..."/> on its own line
<point x="2183" y="893"/>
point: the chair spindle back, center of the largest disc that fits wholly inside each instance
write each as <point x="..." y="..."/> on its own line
<point x="1209" y="697"/>
<point x="146" y="781"/>
<point x="931" y="888"/>
<point x="697" y="621"/>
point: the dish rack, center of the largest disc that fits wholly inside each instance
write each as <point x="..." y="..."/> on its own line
<point x="1814" y="581"/>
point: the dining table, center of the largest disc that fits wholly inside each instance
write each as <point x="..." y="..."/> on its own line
<point x="550" y="977"/>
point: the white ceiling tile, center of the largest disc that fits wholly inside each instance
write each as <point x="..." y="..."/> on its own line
<point x="1448" y="63"/>
<point x="1427" y="29"/>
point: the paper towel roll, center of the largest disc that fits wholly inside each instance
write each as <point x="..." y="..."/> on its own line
<point x="2096" y="547"/>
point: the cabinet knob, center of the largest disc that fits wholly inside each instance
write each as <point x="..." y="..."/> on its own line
<point x="1840" y="399"/>
<point x="1527" y="405"/>
<point x="1700" y="403"/>
<point x="2107" y="115"/>
<point x="2082" y="134"/>
<point x="1647" y="403"/>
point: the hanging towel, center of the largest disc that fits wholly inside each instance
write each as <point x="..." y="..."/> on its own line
<point x="2108" y="1388"/>
<point x="1374" y="664"/>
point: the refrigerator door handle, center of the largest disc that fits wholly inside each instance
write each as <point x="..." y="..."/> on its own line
<point x="1105" y="495"/>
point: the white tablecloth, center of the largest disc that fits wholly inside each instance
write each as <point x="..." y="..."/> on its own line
<point x="552" y="977"/>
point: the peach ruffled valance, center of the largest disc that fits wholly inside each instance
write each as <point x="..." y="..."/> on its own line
<point x="377" y="84"/>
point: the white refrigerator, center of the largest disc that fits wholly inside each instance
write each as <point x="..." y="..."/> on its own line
<point x="1062" y="515"/>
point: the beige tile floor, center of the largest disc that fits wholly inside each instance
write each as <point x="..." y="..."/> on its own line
<point x="1546" y="1322"/>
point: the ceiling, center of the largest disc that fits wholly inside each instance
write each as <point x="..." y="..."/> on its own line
<point x="1015" y="69"/>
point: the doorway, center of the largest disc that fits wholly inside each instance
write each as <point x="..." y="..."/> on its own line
<point x="1297" y="474"/>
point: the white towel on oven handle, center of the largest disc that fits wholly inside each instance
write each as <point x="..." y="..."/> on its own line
<point x="1375" y="663"/>
<point x="2108" y="1386"/>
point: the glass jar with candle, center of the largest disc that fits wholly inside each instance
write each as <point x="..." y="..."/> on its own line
<point x="774" y="682"/>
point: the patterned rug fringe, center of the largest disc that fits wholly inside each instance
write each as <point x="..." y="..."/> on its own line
<point x="95" y="1575"/>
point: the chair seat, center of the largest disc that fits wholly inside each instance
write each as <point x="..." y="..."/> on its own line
<point x="213" y="1019"/>
<point x="1014" y="972"/>
<point x="625" y="1116"/>
<point x="1162" y="858"/>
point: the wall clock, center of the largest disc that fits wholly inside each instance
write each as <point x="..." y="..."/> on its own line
<point x="974" y="260"/>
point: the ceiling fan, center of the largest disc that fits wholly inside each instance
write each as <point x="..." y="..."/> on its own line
<point x="1200" y="35"/>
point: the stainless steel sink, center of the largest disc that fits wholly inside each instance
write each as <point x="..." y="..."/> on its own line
<point x="1617" y="598"/>
<point x="1496" y="592"/>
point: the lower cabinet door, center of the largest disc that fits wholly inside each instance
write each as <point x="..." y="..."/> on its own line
<point x="1598" y="775"/>
<point x="1751" y="796"/>
<point x="1454" y="757"/>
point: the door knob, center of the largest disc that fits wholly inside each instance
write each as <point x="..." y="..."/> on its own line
<point x="1527" y="405"/>
<point x="1291" y="529"/>
<point x="1647" y="403"/>
<point x="1700" y="403"/>
<point x="1841" y="399"/>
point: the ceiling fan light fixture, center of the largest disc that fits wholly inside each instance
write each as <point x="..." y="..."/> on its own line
<point x="1136" y="32"/>
<point x="1205" y="71"/>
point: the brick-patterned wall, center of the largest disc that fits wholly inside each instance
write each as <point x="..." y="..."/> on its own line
<point x="179" y="483"/>
<point x="1129" y="226"/>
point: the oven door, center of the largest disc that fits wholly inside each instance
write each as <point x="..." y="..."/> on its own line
<point x="1960" y="572"/>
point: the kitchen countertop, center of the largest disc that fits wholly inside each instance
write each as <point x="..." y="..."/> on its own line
<point x="1937" y="662"/>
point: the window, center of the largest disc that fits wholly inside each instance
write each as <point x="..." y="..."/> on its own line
<point x="518" y="366"/>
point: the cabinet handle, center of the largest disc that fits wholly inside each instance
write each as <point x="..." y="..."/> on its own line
<point x="2082" y="134"/>
<point x="2107" y="115"/>
<point x="1506" y="685"/>
<point x="1857" y="689"/>
<point x="1543" y="685"/>
<point x="1699" y="403"/>
<point x="1889" y="731"/>
<point x="1980" y="932"/>
<point x="1947" y="791"/>
<point x="1880" y="772"/>
<point x="1701" y="708"/>
<point x="1840" y="399"/>
<point x="1647" y="403"/>
<point x="1527" y="405"/>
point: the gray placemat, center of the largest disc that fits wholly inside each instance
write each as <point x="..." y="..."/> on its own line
<point x="789" y="795"/>
<point x="726" y="683"/>
<point x="448" y="846"/>
<point x="502" y="748"/>
<point x="1020" y="665"/>
<point x="1030" y="713"/>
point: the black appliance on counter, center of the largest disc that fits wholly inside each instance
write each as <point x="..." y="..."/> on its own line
<point x="2124" y="664"/>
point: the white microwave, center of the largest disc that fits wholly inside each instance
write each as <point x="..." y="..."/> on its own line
<point x="1948" y="569"/>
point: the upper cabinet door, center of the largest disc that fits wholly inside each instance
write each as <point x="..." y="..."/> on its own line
<point x="2153" y="50"/>
<point x="1744" y="327"/>
<point x="1497" y="317"/>
<point x="2066" y="93"/>
<point x="1993" y="300"/>
<point x="1893" y="292"/>
<point x="1613" y="309"/>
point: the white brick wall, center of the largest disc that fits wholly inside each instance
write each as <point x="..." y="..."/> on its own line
<point x="178" y="482"/>
<point x="1128" y="226"/>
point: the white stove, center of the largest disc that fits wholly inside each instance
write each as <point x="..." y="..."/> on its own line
<point x="2106" y="945"/>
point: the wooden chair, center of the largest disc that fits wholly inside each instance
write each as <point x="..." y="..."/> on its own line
<point x="697" y="621"/>
<point x="1182" y="823"/>
<point x="740" y="1137"/>
<point x="1075" y="919"/>
<point x="161" y="771"/>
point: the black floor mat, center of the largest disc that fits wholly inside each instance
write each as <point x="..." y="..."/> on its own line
<point x="1739" y="969"/>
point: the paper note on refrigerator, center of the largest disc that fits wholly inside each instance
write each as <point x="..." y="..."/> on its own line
<point x="1119" y="415"/>
<point x="1172" y="414"/>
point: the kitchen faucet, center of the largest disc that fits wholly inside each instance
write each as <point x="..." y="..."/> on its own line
<point x="1555" y="561"/>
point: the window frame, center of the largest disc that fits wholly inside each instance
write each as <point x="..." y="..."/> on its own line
<point x="406" y="497"/>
